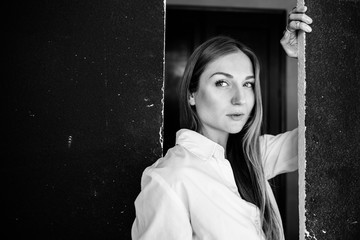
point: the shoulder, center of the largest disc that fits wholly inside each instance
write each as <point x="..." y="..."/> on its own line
<point x="173" y="168"/>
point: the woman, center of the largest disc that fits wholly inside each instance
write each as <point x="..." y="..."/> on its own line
<point x="213" y="183"/>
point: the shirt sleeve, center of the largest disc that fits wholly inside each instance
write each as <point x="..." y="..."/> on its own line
<point x="160" y="214"/>
<point x="279" y="153"/>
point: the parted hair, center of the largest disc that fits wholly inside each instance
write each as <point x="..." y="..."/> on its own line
<point x="243" y="148"/>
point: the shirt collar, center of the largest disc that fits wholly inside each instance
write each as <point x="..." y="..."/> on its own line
<point x="199" y="145"/>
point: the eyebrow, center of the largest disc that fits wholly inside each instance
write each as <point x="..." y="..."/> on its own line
<point x="229" y="75"/>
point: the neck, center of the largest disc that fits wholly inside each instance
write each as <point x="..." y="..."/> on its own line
<point x="220" y="139"/>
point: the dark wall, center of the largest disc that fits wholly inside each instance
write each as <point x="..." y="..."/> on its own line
<point x="332" y="120"/>
<point x="83" y="114"/>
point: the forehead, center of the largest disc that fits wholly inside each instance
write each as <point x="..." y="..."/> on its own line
<point x="235" y="62"/>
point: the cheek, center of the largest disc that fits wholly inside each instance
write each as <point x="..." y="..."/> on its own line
<point x="252" y="101"/>
<point x="206" y="105"/>
<point x="204" y="100"/>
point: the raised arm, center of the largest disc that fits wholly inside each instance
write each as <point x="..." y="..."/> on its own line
<point x="297" y="21"/>
<point x="279" y="153"/>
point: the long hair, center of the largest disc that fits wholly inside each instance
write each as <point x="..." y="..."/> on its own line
<point x="243" y="150"/>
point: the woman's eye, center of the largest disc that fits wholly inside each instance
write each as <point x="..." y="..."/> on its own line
<point x="249" y="84"/>
<point x="221" y="83"/>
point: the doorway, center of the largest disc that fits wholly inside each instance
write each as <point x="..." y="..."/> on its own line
<point x="188" y="27"/>
<point x="261" y="30"/>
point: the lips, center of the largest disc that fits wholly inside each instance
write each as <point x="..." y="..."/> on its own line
<point x="236" y="116"/>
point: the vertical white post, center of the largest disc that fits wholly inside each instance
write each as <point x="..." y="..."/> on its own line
<point x="302" y="129"/>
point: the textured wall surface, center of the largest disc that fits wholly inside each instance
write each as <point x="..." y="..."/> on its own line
<point x="332" y="176"/>
<point x="83" y="94"/>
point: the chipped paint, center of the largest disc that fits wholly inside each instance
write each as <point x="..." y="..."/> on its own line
<point x="161" y="130"/>
<point x="310" y="235"/>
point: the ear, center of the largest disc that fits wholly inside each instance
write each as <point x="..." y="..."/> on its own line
<point x="192" y="99"/>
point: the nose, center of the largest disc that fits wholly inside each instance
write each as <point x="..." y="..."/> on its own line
<point x="238" y="96"/>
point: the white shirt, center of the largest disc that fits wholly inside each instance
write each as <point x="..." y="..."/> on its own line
<point x="191" y="193"/>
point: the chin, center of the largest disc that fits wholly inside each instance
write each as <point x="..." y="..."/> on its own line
<point x="235" y="130"/>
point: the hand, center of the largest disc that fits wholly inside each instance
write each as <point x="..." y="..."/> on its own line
<point x="298" y="20"/>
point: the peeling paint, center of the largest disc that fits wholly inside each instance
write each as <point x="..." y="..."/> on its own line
<point x="161" y="130"/>
<point x="310" y="235"/>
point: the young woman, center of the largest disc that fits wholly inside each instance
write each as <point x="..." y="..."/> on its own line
<point x="213" y="183"/>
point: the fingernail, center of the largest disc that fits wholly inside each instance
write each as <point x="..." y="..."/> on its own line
<point x="308" y="28"/>
<point x="308" y="19"/>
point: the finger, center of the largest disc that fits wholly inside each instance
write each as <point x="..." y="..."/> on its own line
<point x="299" y="9"/>
<point x="305" y="27"/>
<point x="300" y="17"/>
<point x="298" y="25"/>
<point x="293" y="10"/>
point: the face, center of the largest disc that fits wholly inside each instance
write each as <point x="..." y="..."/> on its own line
<point x="225" y="96"/>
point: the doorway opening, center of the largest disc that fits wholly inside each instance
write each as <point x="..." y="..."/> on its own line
<point x="261" y="30"/>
